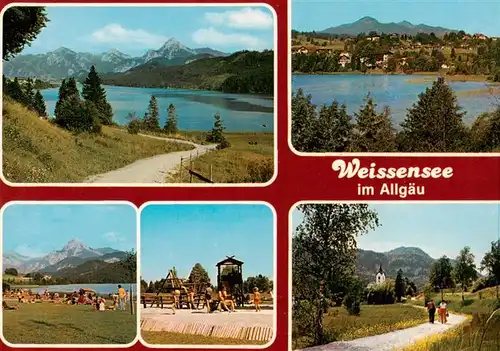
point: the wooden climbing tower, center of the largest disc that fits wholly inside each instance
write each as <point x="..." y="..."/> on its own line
<point x="230" y="276"/>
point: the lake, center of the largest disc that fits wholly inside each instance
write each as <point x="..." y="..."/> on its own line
<point x="103" y="289"/>
<point x="395" y="91"/>
<point x="195" y="109"/>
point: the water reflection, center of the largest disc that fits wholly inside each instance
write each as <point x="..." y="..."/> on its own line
<point x="229" y="103"/>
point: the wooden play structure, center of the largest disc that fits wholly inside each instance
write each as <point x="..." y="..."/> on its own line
<point x="169" y="285"/>
<point x="230" y="276"/>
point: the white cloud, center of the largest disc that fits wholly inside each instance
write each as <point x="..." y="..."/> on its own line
<point x="246" y="18"/>
<point x="212" y="37"/>
<point x="113" y="237"/>
<point x="116" y="34"/>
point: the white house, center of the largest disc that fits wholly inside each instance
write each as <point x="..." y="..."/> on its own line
<point x="344" y="59"/>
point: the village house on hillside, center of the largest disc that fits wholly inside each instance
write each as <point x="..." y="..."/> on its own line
<point x="480" y="36"/>
<point x="344" y="59"/>
<point x="301" y="50"/>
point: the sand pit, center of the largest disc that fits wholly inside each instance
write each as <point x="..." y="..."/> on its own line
<point x="242" y="324"/>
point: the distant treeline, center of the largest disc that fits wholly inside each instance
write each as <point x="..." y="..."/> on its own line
<point x="244" y="72"/>
<point x="433" y="124"/>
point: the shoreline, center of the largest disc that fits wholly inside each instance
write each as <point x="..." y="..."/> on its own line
<point x="264" y="96"/>
<point x="453" y="78"/>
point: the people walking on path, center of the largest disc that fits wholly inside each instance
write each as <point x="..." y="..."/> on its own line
<point x="431" y="308"/>
<point x="443" y="312"/>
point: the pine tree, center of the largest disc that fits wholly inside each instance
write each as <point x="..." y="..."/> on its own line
<point x="453" y="54"/>
<point x="332" y="130"/>
<point x="72" y="89"/>
<point x="93" y="91"/>
<point x="152" y="121"/>
<point x="399" y="287"/>
<point x="216" y="135"/>
<point x="373" y="131"/>
<point x="434" y="123"/>
<point x="39" y="104"/>
<point x="171" y="124"/>
<point x="15" y="91"/>
<point x="199" y="275"/>
<point x="29" y="94"/>
<point x="303" y="117"/>
<point x="67" y="90"/>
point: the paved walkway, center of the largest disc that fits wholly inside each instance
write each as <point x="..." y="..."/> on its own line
<point x="153" y="169"/>
<point x="394" y="340"/>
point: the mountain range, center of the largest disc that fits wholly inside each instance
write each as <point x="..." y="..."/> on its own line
<point x="63" y="62"/>
<point x="73" y="254"/>
<point x="370" y="24"/>
<point x="414" y="262"/>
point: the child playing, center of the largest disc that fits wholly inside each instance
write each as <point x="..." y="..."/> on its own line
<point x="256" y="299"/>
<point x="175" y="295"/>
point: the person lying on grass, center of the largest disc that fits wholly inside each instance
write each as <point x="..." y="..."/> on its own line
<point x="7" y="307"/>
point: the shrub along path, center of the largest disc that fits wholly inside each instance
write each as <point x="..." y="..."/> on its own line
<point x="153" y="169"/>
<point x="394" y="340"/>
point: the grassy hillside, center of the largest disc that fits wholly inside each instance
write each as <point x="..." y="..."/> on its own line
<point x="95" y="272"/>
<point x="249" y="72"/>
<point x="36" y="151"/>
<point x="249" y="159"/>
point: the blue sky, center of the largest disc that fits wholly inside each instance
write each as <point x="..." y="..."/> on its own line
<point x="35" y="230"/>
<point x="185" y="234"/>
<point x="438" y="229"/>
<point x="133" y="30"/>
<point x="470" y="16"/>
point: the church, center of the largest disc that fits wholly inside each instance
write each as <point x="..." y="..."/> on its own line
<point x="380" y="276"/>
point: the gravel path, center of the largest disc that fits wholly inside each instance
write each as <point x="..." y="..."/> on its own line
<point x="394" y="340"/>
<point x="153" y="169"/>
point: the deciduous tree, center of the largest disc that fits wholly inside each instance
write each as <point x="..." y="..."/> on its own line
<point x="21" y="25"/>
<point x="465" y="269"/>
<point x="324" y="257"/>
<point x="491" y="262"/>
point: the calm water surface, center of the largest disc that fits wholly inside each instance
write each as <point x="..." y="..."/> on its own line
<point x="195" y="109"/>
<point x="103" y="289"/>
<point x="394" y="91"/>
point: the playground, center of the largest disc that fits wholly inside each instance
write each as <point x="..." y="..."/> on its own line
<point x="226" y="314"/>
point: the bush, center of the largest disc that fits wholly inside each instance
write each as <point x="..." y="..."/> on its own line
<point x="354" y="296"/>
<point x="261" y="171"/>
<point x="134" y="126"/>
<point x="381" y="294"/>
<point x="223" y="144"/>
<point x="78" y="116"/>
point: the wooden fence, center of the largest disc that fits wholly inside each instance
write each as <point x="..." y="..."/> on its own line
<point x="192" y="172"/>
<point x="233" y="331"/>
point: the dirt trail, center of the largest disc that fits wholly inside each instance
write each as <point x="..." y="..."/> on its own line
<point x="395" y="340"/>
<point x="153" y="169"/>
